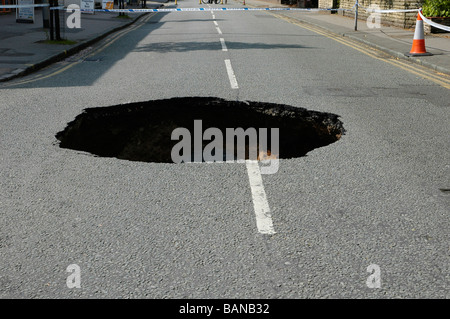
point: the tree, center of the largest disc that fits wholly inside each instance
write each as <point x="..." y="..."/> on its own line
<point x="436" y="8"/>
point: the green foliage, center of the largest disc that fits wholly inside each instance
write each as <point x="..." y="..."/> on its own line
<point x="436" y="8"/>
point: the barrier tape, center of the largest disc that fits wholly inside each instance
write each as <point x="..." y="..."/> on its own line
<point x="15" y="6"/>
<point x="246" y="9"/>
<point x="434" y="24"/>
<point x="207" y="9"/>
<point x="389" y="11"/>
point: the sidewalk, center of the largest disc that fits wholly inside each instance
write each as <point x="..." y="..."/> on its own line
<point x="22" y="50"/>
<point x="394" y="41"/>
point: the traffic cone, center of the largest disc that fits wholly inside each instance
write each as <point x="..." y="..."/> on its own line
<point x="418" y="46"/>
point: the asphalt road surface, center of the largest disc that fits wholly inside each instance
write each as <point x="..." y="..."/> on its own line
<point x="364" y="217"/>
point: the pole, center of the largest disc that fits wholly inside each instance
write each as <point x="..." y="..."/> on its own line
<point x="45" y="16"/>
<point x="57" y="25"/>
<point x="356" y="15"/>
<point x="52" y="21"/>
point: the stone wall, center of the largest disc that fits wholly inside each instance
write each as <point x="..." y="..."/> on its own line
<point x="403" y="20"/>
<point x="326" y="3"/>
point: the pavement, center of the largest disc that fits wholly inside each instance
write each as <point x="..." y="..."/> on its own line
<point x="21" y="51"/>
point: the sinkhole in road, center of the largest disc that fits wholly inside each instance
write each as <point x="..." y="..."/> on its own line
<point x="143" y="131"/>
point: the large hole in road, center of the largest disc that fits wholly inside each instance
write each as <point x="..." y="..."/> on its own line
<point x="142" y="131"/>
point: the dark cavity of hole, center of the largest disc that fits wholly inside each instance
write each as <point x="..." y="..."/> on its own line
<point x="142" y="131"/>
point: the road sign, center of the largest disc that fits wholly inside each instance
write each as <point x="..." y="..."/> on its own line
<point x="25" y="14"/>
<point x="87" y="6"/>
<point x="107" y="4"/>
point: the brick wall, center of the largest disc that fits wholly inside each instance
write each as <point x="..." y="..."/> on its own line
<point x="403" y="20"/>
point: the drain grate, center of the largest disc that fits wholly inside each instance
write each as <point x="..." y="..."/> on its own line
<point x="143" y="131"/>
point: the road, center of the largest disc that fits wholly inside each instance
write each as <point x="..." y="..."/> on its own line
<point x="378" y="196"/>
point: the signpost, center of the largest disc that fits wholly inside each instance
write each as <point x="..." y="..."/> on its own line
<point x="88" y="6"/>
<point x="26" y="14"/>
<point x="107" y="4"/>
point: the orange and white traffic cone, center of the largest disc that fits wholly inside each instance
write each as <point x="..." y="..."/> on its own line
<point x="418" y="46"/>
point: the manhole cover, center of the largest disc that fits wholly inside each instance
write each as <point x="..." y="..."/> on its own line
<point x="199" y="129"/>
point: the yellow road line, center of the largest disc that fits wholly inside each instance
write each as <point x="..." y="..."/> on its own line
<point x="441" y="79"/>
<point x="438" y="76"/>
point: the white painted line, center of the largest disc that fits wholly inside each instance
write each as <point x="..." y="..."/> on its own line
<point x="215" y="23"/>
<point x="224" y="46"/>
<point x="231" y="76"/>
<point x="260" y="204"/>
<point x="218" y="30"/>
<point x="213" y="15"/>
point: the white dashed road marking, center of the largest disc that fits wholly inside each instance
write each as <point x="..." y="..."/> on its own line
<point x="224" y="46"/>
<point x="260" y="204"/>
<point x="231" y="76"/>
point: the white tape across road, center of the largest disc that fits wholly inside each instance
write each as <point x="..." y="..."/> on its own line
<point x="208" y="9"/>
<point x="372" y="10"/>
<point x="16" y="6"/>
<point x="205" y="9"/>
<point x="174" y="9"/>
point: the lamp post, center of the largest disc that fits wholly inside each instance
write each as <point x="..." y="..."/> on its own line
<point x="45" y="16"/>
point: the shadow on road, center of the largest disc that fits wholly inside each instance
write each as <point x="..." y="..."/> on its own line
<point x="165" y="47"/>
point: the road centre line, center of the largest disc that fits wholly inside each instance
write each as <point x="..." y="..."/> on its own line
<point x="262" y="211"/>
<point x="224" y="46"/>
<point x="231" y="75"/>
<point x="261" y="207"/>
